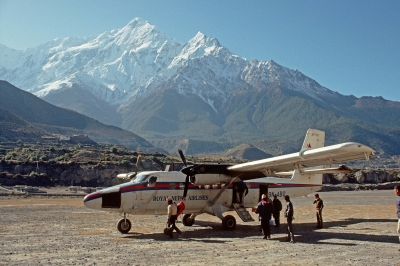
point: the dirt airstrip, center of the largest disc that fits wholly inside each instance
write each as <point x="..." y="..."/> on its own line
<point x="360" y="229"/>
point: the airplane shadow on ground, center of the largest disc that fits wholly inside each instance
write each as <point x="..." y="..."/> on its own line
<point x="305" y="233"/>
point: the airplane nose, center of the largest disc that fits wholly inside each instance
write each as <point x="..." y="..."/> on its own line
<point x="92" y="200"/>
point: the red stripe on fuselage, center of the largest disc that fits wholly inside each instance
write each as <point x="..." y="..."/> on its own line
<point x="165" y="186"/>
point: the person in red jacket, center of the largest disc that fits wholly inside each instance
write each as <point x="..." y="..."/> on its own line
<point x="264" y="211"/>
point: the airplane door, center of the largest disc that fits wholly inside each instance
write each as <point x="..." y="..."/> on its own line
<point x="263" y="190"/>
<point x="111" y="198"/>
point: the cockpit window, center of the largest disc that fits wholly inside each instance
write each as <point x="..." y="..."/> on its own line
<point x="152" y="180"/>
<point x="140" y="178"/>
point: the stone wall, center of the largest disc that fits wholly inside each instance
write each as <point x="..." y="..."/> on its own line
<point x="365" y="176"/>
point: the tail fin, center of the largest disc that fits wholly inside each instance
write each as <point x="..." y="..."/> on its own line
<point x="314" y="139"/>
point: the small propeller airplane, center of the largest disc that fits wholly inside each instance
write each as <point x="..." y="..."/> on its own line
<point x="214" y="188"/>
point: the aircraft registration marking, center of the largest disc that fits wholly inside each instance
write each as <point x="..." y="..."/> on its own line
<point x="277" y="193"/>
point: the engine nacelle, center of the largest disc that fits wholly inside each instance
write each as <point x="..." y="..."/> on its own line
<point x="209" y="179"/>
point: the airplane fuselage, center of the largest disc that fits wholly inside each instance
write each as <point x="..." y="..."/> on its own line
<point x="141" y="197"/>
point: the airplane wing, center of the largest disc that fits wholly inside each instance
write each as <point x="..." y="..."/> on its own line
<point x="280" y="165"/>
<point x="306" y="158"/>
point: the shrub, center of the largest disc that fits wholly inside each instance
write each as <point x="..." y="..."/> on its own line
<point x="125" y="163"/>
<point x="32" y="158"/>
<point x="44" y="158"/>
<point x="11" y="155"/>
<point x="33" y="174"/>
<point x="60" y="158"/>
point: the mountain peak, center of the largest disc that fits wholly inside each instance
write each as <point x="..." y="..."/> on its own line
<point x="137" y="28"/>
<point x="202" y="40"/>
<point x="136" y="23"/>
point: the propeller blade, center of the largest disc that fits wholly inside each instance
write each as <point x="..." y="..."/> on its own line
<point x="182" y="157"/>
<point x="131" y="175"/>
<point x="186" y="187"/>
<point x="187" y="175"/>
<point x="137" y="163"/>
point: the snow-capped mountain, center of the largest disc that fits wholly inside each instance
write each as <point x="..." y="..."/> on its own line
<point x="130" y="62"/>
<point x="113" y="65"/>
<point x="139" y="78"/>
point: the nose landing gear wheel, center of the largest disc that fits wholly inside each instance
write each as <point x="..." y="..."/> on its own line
<point x="229" y="223"/>
<point x="124" y="225"/>
<point x="187" y="221"/>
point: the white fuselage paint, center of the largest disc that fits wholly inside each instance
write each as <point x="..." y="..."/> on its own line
<point x="144" y="198"/>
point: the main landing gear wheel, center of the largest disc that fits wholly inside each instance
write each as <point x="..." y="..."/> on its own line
<point x="187" y="221"/>
<point x="124" y="225"/>
<point x="229" y="223"/>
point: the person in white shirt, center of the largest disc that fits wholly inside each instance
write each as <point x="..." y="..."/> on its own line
<point x="172" y="211"/>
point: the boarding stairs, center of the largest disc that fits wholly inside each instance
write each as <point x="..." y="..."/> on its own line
<point x="242" y="212"/>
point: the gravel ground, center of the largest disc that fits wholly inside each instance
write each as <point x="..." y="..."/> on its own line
<point x="360" y="229"/>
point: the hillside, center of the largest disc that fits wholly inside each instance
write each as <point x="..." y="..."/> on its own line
<point x="247" y="152"/>
<point x="17" y="104"/>
<point x="14" y="128"/>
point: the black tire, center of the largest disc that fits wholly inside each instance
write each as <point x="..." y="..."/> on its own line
<point x="187" y="221"/>
<point x="124" y="226"/>
<point x="229" y="223"/>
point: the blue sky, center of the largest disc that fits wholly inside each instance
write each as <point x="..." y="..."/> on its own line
<point x="348" y="46"/>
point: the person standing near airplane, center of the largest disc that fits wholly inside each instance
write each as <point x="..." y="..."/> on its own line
<point x="289" y="218"/>
<point x="172" y="216"/>
<point x="318" y="210"/>
<point x="277" y="210"/>
<point x="241" y="191"/>
<point x="264" y="211"/>
<point x="397" y="191"/>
